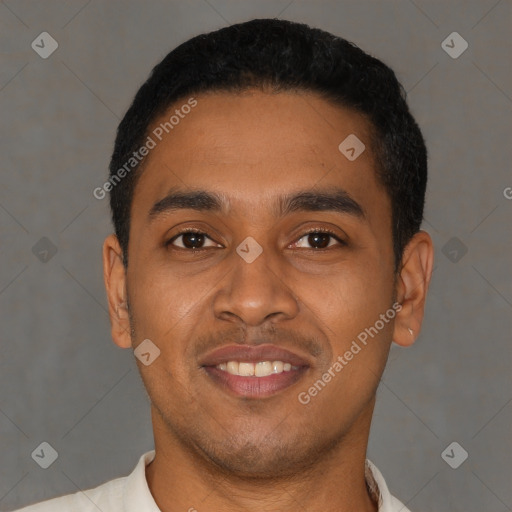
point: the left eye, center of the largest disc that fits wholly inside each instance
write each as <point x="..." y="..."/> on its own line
<point x="319" y="238"/>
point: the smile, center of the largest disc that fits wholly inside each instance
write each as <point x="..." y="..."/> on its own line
<point x="259" y="369"/>
<point x="254" y="371"/>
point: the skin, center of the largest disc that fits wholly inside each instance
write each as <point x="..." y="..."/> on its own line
<point x="215" y="451"/>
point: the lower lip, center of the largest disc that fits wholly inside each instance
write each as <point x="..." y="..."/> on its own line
<point x="254" y="387"/>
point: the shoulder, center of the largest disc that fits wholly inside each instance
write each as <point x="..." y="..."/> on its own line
<point x="378" y="487"/>
<point x="127" y="492"/>
<point x="107" y="496"/>
<point x="395" y="505"/>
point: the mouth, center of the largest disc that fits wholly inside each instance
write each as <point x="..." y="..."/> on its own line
<point x="254" y="372"/>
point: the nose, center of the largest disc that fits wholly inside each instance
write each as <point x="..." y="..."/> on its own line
<point x="255" y="292"/>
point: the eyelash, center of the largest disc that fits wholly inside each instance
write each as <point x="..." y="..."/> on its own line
<point x="196" y="231"/>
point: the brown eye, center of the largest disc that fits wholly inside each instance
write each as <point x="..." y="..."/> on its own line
<point x="191" y="240"/>
<point x="319" y="240"/>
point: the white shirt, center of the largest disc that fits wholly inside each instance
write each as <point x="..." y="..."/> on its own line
<point x="131" y="494"/>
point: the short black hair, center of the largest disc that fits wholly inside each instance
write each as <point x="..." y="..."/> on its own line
<point x="279" y="55"/>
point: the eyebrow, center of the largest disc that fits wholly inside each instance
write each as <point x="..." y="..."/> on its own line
<point x="333" y="199"/>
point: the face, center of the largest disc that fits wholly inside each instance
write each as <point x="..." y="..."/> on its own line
<point x="289" y="261"/>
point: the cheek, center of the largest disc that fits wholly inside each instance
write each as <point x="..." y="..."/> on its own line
<point x="162" y="298"/>
<point x="165" y="310"/>
<point x="164" y="314"/>
<point x="347" y="302"/>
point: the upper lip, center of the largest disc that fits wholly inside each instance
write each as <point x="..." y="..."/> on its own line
<point x="251" y="353"/>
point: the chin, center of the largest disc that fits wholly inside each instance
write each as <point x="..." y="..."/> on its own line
<point x="273" y="457"/>
<point x="253" y="462"/>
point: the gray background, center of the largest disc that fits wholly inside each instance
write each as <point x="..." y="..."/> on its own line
<point x="63" y="380"/>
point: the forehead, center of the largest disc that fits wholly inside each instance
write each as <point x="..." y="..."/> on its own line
<point x="254" y="145"/>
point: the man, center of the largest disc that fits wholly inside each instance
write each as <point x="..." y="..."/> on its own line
<point x="267" y="189"/>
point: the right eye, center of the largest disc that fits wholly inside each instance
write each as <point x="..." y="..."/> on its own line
<point x="191" y="239"/>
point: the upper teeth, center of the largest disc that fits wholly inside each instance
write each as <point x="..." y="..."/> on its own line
<point x="259" y="369"/>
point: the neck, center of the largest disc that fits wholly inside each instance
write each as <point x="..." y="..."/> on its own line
<point x="181" y="480"/>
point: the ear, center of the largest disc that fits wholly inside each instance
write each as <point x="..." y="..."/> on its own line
<point x="114" y="275"/>
<point x="412" y="287"/>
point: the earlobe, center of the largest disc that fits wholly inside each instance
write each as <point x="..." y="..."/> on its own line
<point x="412" y="287"/>
<point x="114" y="275"/>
